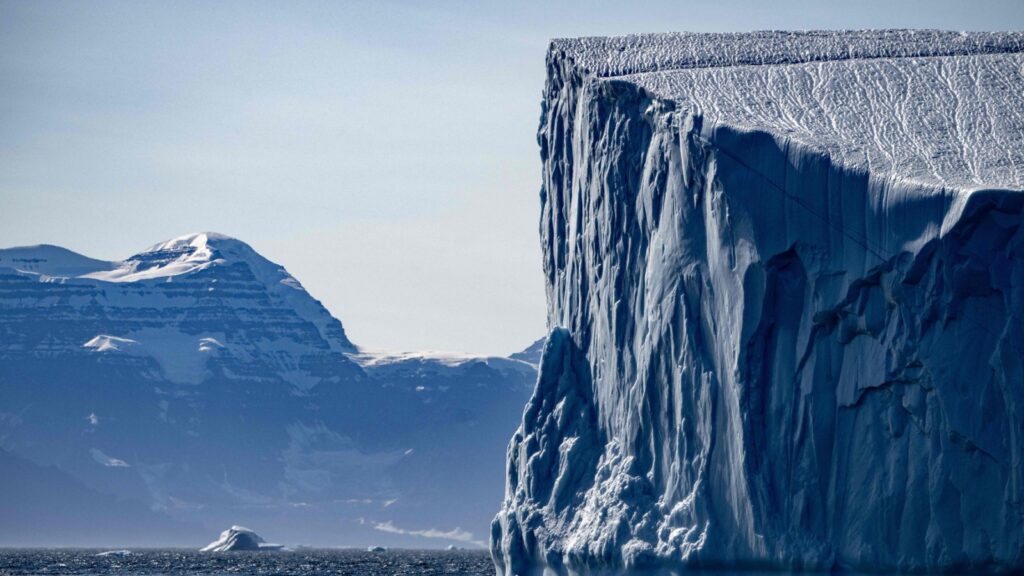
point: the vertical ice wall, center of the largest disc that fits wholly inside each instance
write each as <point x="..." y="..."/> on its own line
<point x="762" y="352"/>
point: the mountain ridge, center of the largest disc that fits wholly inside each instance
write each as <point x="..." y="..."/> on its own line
<point x="190" y="254"/>
<point x="202" y="380"/>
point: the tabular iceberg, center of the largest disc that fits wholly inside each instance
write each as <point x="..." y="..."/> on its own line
<point x="786" y="292"/>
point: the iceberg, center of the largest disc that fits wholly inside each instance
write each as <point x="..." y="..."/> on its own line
<point x="239" y="538"/>
<point x="114" y="553"/>
<point x="785" y="282"/>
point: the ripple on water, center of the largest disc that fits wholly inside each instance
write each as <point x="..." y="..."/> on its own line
<point x="300" y="563"/>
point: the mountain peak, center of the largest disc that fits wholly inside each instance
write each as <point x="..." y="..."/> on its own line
<point x="187" y="254"/>
<point x="197" y="242"/>
<point x="183" y="258"/>
<point x="181" y="255"/>
<point x="50" y="260"/>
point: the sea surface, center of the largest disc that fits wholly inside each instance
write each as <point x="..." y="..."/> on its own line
<point x="303" y="562"/>
<point x="298" y="563"/>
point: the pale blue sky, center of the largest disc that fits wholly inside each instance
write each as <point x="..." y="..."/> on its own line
<point x="384" y="152"/>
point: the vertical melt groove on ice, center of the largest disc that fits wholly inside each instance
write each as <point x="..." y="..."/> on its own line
<point x="786" y="291"/>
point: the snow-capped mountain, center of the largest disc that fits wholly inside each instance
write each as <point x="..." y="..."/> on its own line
<point x="784" y="275"/>
<point x="201" y="379"/>
<point x="187" y="307"/>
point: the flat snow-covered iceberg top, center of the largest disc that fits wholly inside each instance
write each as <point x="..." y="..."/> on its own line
<point x="930" y="107"/>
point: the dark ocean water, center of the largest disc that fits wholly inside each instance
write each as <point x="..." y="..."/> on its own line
<point x="299" y="563"/>
<point x="312" y="562"/>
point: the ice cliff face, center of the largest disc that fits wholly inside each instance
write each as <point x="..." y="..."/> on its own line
<point x="786" y="296"/>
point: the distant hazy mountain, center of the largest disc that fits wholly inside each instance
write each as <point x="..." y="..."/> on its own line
<point x="43" y="505"/>
<point x="532" y="353"/>
<point x="201" y="380"/>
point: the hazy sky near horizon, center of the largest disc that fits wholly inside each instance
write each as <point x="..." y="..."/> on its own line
<point x="383" y="152"/>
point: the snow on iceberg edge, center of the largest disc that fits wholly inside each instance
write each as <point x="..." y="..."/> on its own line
<point x="239" y="539"/>
<point x="765" y="355"/>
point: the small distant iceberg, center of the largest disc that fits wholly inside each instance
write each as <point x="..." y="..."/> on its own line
<point x="239" y="538"/>
<point x="115" y="553"/>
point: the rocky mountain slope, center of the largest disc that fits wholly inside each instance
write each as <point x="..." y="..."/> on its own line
<point x="785" y="284"/>
<point x="201" y="380"/>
